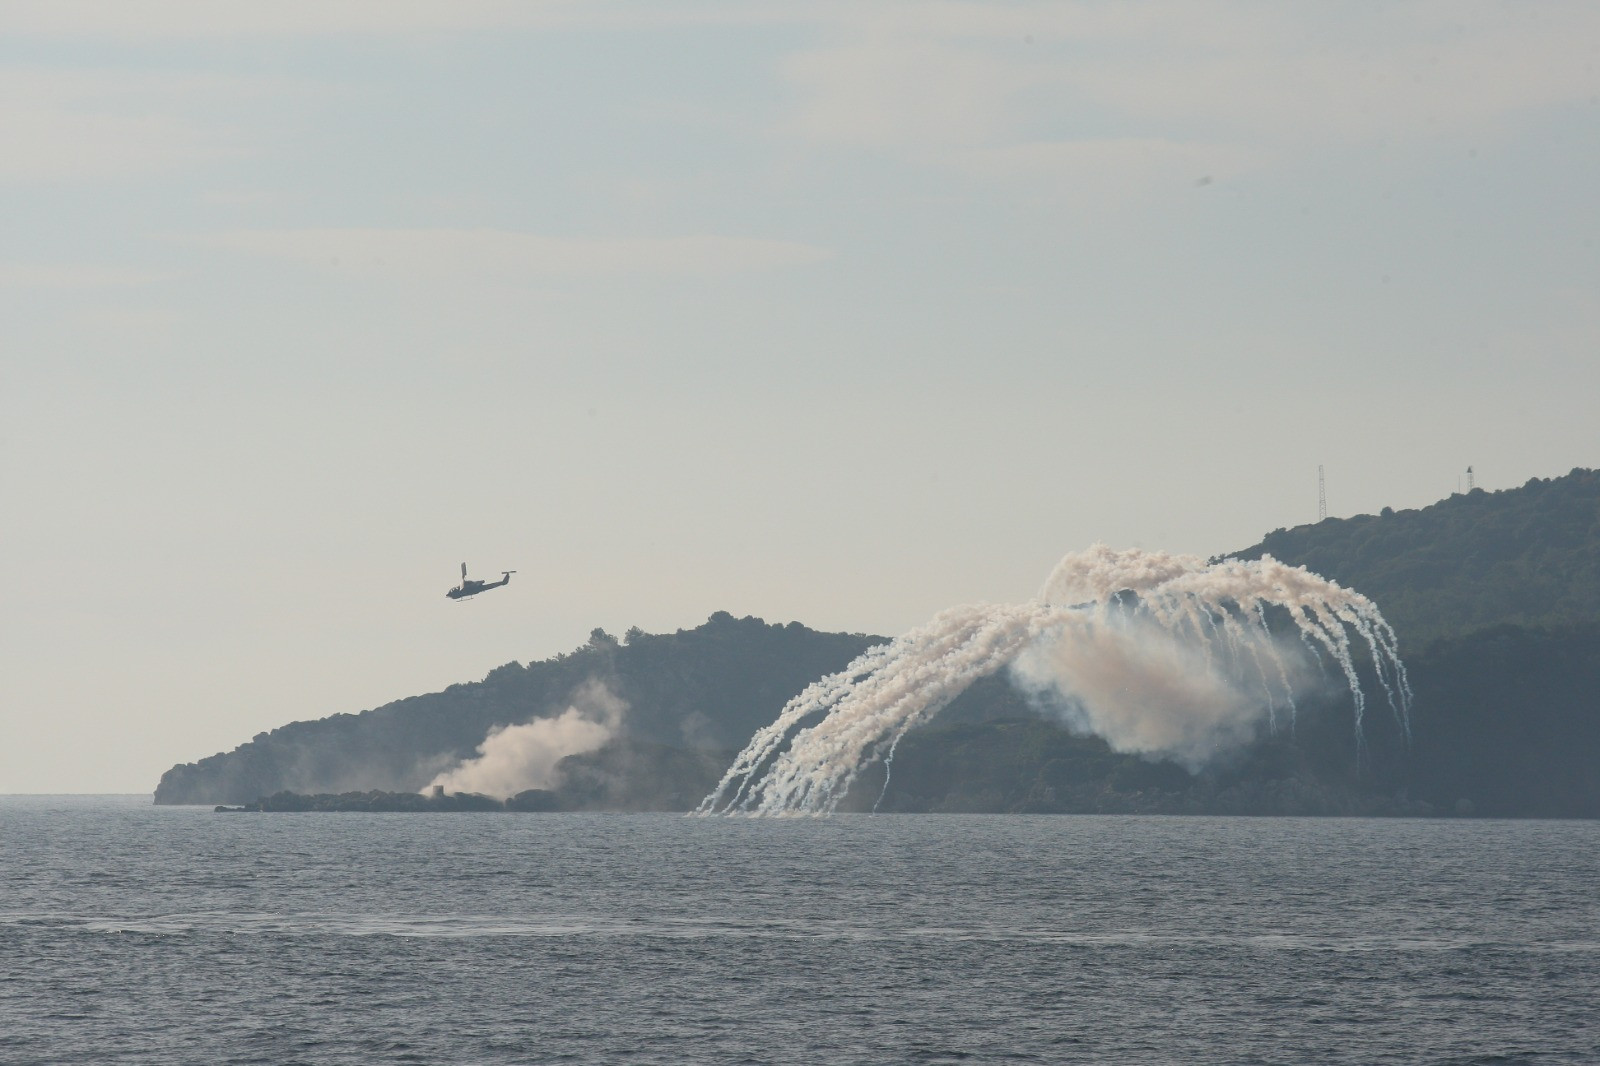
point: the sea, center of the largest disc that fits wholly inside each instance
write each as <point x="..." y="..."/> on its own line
<point x="131" y="933"/>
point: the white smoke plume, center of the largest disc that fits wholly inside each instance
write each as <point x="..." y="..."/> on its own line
<point x="519" y="757"/>
<point x="1159" y="654"/>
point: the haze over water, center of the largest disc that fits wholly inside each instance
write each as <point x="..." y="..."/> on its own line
<point x="137" y="934"/>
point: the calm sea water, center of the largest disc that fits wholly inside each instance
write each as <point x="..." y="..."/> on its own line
<point x="136" y="934"/>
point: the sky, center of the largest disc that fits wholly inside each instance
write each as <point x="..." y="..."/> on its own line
<point x="841" y="313"/>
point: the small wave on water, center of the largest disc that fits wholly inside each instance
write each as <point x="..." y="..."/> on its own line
<point x="594" y="940"/>
<point x="233" y="923"/>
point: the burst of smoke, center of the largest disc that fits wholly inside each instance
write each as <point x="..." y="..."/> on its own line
<point x="1160" y="654"/>
<point x="1149" y="692"/>
<point x="518" y="757"/>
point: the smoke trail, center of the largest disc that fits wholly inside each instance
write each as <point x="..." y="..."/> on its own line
<point x="518" y="757"/>
<point x="1160" y="654"/>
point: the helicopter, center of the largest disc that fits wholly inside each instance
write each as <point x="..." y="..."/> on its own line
<point x="472" y="588"/>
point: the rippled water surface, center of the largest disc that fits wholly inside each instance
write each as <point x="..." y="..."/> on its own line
<point x="136" y="934"/>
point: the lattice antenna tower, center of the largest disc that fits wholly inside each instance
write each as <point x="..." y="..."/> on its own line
<point x="1322" y="496"/>
<point x="1470" y="483"/>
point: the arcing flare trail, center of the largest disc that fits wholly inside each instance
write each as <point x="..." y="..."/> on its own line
<point x="1160" y="654"/>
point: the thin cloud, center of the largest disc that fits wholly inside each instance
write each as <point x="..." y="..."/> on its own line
<point x="103" y="124"/>
<point x="48" y="143"/>
<point x="479" y="252"/>
<point x="141" y="20"/>
<point x="203" y="18"/>
<point x="1420" y="70"/>
<point x="903" y="94"/>
<point x="75" y="276"/>
<point x="943" y="83"/>
<point x="1112" y="167"/>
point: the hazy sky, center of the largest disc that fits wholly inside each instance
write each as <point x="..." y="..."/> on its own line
<point x="841" y="313"/>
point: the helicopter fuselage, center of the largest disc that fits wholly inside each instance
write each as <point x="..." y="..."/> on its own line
<point x="472" y="588"/>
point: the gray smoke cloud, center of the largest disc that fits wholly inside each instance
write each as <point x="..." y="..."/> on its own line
<point x="519" y="757"/>
<point x="1147" y="692"/>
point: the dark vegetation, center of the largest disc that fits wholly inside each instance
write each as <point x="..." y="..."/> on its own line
<point x="529" y="801"/>
<point x="1031" y="766"/>
<point x="698" y="694"/>
<point x="1526" y="557"/>
<point x="1495" y="597"/>
<point x="375" y="801"/>
<point x="626" y="774"/>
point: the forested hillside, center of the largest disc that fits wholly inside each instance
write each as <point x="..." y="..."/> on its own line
<point x="707" y="688"/>
<point x="1528" y="556"/>
<point x="1496" y="600"/>
<point x="1495" y="596"/>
